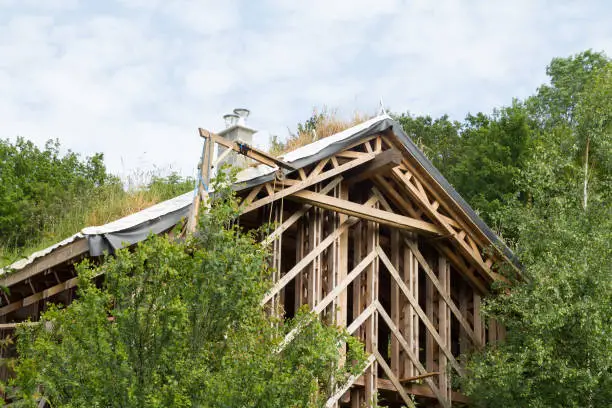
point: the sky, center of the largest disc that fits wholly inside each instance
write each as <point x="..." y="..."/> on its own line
<point x="134" y="79"/>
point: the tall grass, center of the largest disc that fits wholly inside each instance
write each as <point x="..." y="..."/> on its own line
<point x="101" y="206"/>
<point x="321" y="124"/>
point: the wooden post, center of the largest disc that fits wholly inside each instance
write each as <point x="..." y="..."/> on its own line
<point x="444" y="327"/>
<point x="395" y="302"/>
<point x="478" y="323"/>
<point x="411" y="319"/>
<point x="202" y="188"/>
<point x="357" y="394"/>
<point x="371" y="340"/>
<point x="464" y="342"/>
<point x="342" y="261"/>
<point x="430" y="311"/>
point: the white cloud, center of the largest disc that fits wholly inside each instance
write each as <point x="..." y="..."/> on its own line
<point x="135" y="78"/>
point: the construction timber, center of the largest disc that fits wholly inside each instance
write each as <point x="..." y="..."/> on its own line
<point x="368" y="237"/>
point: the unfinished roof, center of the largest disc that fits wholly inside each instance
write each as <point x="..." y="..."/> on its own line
<point x="165" y="215"/>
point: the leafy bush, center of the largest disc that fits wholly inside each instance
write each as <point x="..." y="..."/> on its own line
<point x="178" y="323"/>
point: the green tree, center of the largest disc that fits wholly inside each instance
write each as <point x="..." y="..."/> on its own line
<point x="558" y="352"/>
<point x="36" y="186"/>
<point x="480" y="157"/>
<point x="178" y="323"/>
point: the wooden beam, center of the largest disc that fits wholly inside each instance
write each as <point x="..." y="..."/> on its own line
<point x="398" y="386"/>
<point x="247" y="150"/>
<point x="333" y="400"/>
<point x="361" y="318"/>
<point x="411" y="355"/>
<point x="59" y="255"/>
<point x="418" y="195"/>
<point x="299" y="213"/>
<point x="414" y="389"/>
<point x="302" y="263"/>
<point x="382" y="163"/>
<point x="443" y="292"/>
<point x="370" y="214"/>
<point x="419" y="377"/>
<point x="203" y="185"/>
<point x="45" y="294"/>
<point x="430" y="327"/>
<point x="310" y="181"/>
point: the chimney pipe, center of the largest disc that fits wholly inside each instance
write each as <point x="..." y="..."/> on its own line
<point x="231" y="119"/>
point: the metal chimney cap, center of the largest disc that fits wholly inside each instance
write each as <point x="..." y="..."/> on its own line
<point x="242" y="112"/>
<point x="231" y="119"/>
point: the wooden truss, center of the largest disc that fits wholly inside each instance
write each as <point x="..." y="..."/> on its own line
<point x="368" y="240"/>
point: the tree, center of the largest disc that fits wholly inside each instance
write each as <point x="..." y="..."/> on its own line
<point x="36" y="186"/>
<point x="558" y="351"/>
<point x="178" y="323"/>
<point x="480" y="157"/>
<point x="594" y="126"/>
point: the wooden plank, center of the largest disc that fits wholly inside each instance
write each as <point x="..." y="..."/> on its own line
<point x="361" y="318"/>
<point x="444" y="324"/>
<point x="411" y="354"/>
<point x="411" y="319"/>
<point x="478" y="323"/>
<point x="430" y="327"/>
<point x="299" y="254"/>
<point x="310" y="181"/>
<point x="247" y="150"/>
<point x="371" y="295"/>
<point x="299" y="213"/>
<point x="381" y="164"/>
<point x="252" y="194"/>
<point x="430" y="341"/>
<point x="342" y="263"/>
<point x="398" y="386"/>
<point x="395" y="301"/>
<point x="370" y="214"/>
<point x="333" y="400"/>
<point x="282" y="282"/>
<point x="435" y="215"/>
<point x="419" y="377"/>
<point x="59" y="255"/>
<point x="443" y="292"/>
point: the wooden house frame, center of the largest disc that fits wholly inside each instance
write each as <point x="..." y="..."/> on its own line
<point x="370" y="237"/>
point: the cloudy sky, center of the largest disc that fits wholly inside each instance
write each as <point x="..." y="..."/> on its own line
<point x="135" y="78"/>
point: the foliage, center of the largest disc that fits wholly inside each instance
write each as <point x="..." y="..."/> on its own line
<point x="178" y="323"/>
<point x="558" y="352"/>
<point x="36" y="185"/>
<point x="480" y="157"/>
<point x="46" y="197"/>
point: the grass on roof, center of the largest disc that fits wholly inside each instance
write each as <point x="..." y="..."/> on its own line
<point x="103" y="205"/>
<point x="321" y="124"/>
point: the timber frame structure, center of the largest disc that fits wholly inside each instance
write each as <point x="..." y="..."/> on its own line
<point x="370" y="237"/>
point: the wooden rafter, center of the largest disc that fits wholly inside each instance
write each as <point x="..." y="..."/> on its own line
<point x="60" y="255"/>
<point x="413" y="357"/>
<point x="311" y="180"/>
<point x="370" y="214"/>
<point x="415" y="304"/>
<point x="247" y="150"/>
<point x="420" y="196"/>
